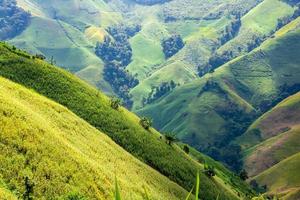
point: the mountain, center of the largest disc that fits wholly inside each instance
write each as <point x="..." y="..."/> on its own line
<point x="271" y="147"/>
<point x="201" y="25"/>
<point x="120" y="125"/>
<point x="210" y="112"/>
<point x="211" y="73"/>
<point x="46" y="147"/>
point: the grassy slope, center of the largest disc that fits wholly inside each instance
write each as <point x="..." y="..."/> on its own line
<point x="62" y="153"/>
<point x="260" y="21"/>
<point x="88" y="18"/>
<point x="272" y="157"/>
<point x="283" y="178"/>
<point x="247" y="81"/>
<point x="71" y="39"/>
<point x="225" y="176"/>
<point x="199" y="34"/>
<point x="122" y="126"/>
<point x="6" y="193"/>
<point x="201" y="38"/>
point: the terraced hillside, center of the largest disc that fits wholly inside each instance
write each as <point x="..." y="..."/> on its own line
<point x="210" y="112"/>
<point x="271" y="147"/>
<point x="49" y="149"/>
<point x="122" y="126"/>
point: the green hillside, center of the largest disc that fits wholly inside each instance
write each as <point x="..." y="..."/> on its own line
<point x="200" y="30"/>
<point x="283" y="178"/>
<point x="122" y="126"/>
<point x="48" y="148"/>
<point x="271" y="148"/>
<point x="62" y="32"/>
<point x="75" y="26"/>
<point x="218" y="107"/>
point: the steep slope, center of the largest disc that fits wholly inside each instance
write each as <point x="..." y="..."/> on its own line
<point x="64" y="34"/>
<point x="78" y="25"/>
<point x="283" y="178"/>
<point x="122" y="126"/>
<point x="271" y="147"/>
<point x="201" y="25"/>
<point x="212" y="111"/>
<point x="273" y="137"/>
<point x="59" y="153"/>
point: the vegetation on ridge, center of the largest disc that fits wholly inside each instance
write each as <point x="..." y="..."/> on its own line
<point x="123" y="127"/>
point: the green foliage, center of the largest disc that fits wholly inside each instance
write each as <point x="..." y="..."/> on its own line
<point x="186" y="149"/>
<point x="75" y="196"/>
<point x="170" y="138"/>
<point x="243" y="175"/>
<point x="197" y="188"/>
<point x="117" y="194"/>
<point x="115" y="102"/>
<point x="117" y="55"/>
<point x="123" y="127"/>
<point x="146" y="122"/>
<point x="158" y="92"/>
<point x="172" y="45"/>
<point x="209" y="170"/>
<point x="29" y="186"/>
<point x="13" y="19"/>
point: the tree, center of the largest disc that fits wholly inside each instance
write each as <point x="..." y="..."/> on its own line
<point x="170" y="138"/>
<point x="186" y="149"/>
<point x="115" y="102"/>
<point x="243" y="175"/>
<point x="172" y="45"/>
<point x="146" y="123"/>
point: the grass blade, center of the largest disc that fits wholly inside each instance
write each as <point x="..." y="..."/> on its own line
<point x="197" y="185"/>
<point x="188" y="196"/>
<point x="117" y="191"/>
<point x="146" y="194"/>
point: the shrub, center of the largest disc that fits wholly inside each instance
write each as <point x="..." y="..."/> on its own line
<point x="209" y="170"/>
<point x="146" y="123"/>
<point x="243" y="175"/>
<point x="170" y="138"/>
<point x="186" y="149"/>
<point x="115" y="102"/>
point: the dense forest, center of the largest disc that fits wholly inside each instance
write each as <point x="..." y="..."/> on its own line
<point x="116" y="53"/>
<point x="172" y="45"/>
<point x="13" y="20"/>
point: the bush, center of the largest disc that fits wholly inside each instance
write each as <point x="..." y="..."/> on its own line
<point x="209" y="170"/>
<point x="170" y="138"/>
<point x="115" y="102"/>
<point x="146" y="123"/>
<point x="186" y="149"/>
<point x="243" y="175"/>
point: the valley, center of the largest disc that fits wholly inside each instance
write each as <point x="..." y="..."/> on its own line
<point x="217" y="77"/>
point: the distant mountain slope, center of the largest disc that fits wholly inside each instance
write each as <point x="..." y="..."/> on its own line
<point x="60" y="154"/>
<point x="283" y="178"/>
<point x="271" y="147"/>
<point x="121" y="125"/>
<point x="62" y="32"/>
<point x="213" y="110"/>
